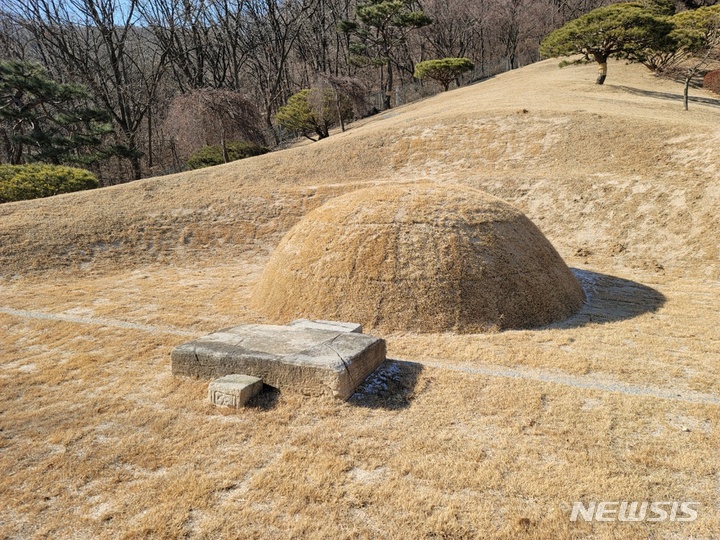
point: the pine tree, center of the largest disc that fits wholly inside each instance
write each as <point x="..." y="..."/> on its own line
<point x="444" y="71"/>
<point x="46" y="121"/>
<point x="313" y="111"/>
<point x="381" y="26"/>
<point x="617" y="30"/>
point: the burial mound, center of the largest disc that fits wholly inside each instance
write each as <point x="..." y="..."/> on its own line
<point x="421" y="257"/>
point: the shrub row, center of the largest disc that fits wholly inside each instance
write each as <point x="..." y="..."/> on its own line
<point x="23" y="182"/>
<point x="207" y="156"/>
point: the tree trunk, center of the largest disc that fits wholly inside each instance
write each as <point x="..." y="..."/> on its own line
<point x="686" y="91"/>
<point x="176" y="159"/>
<point x="388" y="85"/>
<point x="339" y="110"/>
<point x="223" y="145"/>
<point x="136" y="168"/>
<point x="150" y="138"/>
<point x="602" y="72"/>
<point x="13" y="151"/>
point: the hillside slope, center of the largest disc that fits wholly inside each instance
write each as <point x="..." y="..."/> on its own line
<point x="618" y="170"/>
<point x="460" y="436"/>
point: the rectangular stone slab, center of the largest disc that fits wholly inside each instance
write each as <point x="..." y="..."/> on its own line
<point x="291" y="358"/>
<point x="233" y="390"/>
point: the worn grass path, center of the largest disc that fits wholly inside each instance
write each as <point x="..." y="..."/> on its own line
<point x="589" y="382"/>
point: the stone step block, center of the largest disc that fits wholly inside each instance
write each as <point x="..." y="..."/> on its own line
<point x="234" y="390"/>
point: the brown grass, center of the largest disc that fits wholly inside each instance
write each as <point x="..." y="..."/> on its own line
<point x="422" y="257"/>
<point x="472" y="436"/>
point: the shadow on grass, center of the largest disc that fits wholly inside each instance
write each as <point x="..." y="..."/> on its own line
<point x="671" y="97"/>
<point x="391" y="386"/>
<point x="611" y="299"/>
<point x="266" y="400"/>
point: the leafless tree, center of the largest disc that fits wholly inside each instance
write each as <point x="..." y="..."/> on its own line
<point x="273" y="30"/>
<point x="98" y="43"/>
<point x="203" y="41"/>
<point x="349" y="96"/>
<point x="212" y="117"/>
<point x="458" y="29"/>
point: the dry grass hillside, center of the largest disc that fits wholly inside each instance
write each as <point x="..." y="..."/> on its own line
<point x="459" y="436"/>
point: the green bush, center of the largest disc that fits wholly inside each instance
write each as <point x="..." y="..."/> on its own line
<point x="207" y="156"/>
<point x="23" y="182"/>
<point x="313" y="111"/>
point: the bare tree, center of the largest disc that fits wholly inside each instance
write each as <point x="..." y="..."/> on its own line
<point x="212" y="117"/>
<point x="348" y="95"/>
<point x="458" y="28"/>
<point x="13" y="39"/>
<point x="203" y="40"/>
<point x="273" y="30"/>
<point x="96" y="42"/>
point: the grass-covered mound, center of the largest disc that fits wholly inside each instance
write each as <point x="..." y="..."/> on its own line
<point x="422" y="257"/>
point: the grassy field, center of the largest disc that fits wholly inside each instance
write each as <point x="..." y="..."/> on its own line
<point x="458" y="436"/>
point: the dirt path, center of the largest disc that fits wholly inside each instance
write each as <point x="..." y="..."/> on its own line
<point x="95" y="321"/>
<point x="590" y="382"/>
